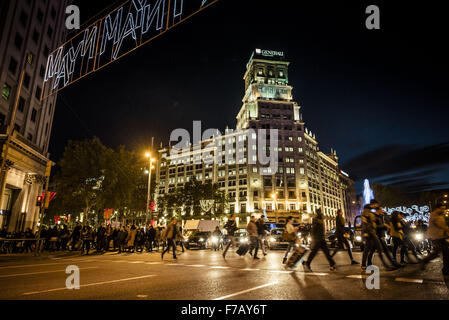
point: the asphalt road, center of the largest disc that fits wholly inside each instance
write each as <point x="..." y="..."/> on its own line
<point x="204" y="275"/>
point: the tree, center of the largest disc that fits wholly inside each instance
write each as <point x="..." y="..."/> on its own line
<point x="390" y="196"/>
<point x="188" y="197"/>
<point x="80" y="180"/>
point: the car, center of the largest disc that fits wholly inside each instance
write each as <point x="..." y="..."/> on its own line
<point x="241" y="236"/>
<point x="275" y="240"/>
<point x="198" y="239"/>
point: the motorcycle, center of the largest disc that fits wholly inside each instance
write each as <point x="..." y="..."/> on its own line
<point x="422" y="244"/>
<point x="217" y="243"/>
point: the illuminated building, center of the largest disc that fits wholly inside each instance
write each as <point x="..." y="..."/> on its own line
<point x="36" y="28"/>
<point x="305" y="178"/>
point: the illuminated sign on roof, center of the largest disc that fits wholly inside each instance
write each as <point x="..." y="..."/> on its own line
<point x="269" y="53"/>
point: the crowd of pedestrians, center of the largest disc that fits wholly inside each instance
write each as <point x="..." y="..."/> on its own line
<point x="374" y="230"/>
<point x="86" y="239"/>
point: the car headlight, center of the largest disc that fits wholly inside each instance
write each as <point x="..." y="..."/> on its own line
<point x="272" y="239"/>
<point x="309" y="238"/>
<point x="358" y="238"/>
<point x="244" y="240"/>
<point x="419" y="236"/>
<point x="201" y="240"/>
<point x="299" y="234"/>
<point x="214" y="240"/>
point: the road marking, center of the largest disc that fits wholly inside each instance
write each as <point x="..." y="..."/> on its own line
<point x="219" y="267"/>
<point x="134" y="262"/>
<point x="409" y="280"/>
<point x="280" y="271"/>
<point x="42" y="272"/>
<point x="195" y="265"/>
<point x="357" y="276"/>
<point x="248" y="290"/>
<point x="320" y="274"/>
<point x="174" y="264"/>
<point x="40" y="264"/>
<point x="141" y="296"/>
<point x="153" y="262"/>
<point x="88" y="285"/>
<point x="249" y="269"/>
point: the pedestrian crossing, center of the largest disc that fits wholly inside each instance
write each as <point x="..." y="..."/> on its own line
<point x="274" y="271"/>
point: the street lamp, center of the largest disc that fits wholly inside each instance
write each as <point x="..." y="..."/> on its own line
<point x="151" y="160"/>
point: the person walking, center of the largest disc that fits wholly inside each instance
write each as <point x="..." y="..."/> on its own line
<point x="319" y="242"/>
<point x="216" y="243"/>
<point x="101" y="233"/>
<point x="131" y="238"/>
<point x="381" y="229"/>
<point x="342" y="241"/>
<point x="121" y="239"/>
<point x="369" y="232"/>
<point x="289" y="235"/>
<point x="253" y="237"/>
<point x="180" y="238"/>
<point x="261" y="234"/>
<point x="438" y="233"/>
<point x="151" y="237"/>
<point x="76" y="235"/>
<point x="397" y="235"/>
<point x="65" y="235"/>
<point x="231" y="228"/>
<point x="171" y="233"/>
<point x="86" y="234"/>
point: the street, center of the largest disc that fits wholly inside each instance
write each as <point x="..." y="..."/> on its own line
<point x="204" y="275"/>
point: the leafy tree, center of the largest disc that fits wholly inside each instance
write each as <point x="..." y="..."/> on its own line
<point x="80" y="180"/>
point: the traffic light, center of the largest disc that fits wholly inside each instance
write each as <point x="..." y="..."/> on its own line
<point x="39" y="201"/>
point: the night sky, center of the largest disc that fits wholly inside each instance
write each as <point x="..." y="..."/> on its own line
<point x="379" y="97"/>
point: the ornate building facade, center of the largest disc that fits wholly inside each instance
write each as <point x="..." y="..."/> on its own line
<point x="303" y="178"/>
<point x="28" y="28"/>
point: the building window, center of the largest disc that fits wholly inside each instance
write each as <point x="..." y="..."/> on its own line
<point x="36" y="36"/>
<point x="49" y="32"/>
<point x="42" y="72"/>
<point x="46" y="51"/>
<point x="30" y="137"/>
<point x="23" y="19"/>
<point x="18" y="41"/>
<point x="6" y="91"/>
<point x="40" y="15"/>
<point x="38" y="93"/>
<point x="21" y="105"/>
<point x="17" y="127"/>
<point x="2" y="119"/>
<point x="49" y="112"/>
<point x="256" y="206"/>
<point x="33" y="115"/>
<point x="13" y="65"/>
<point x="53" y="13"/>
<point x="26" y="80"/>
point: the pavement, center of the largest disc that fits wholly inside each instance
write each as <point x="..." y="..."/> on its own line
<point x="205" y="275"/>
